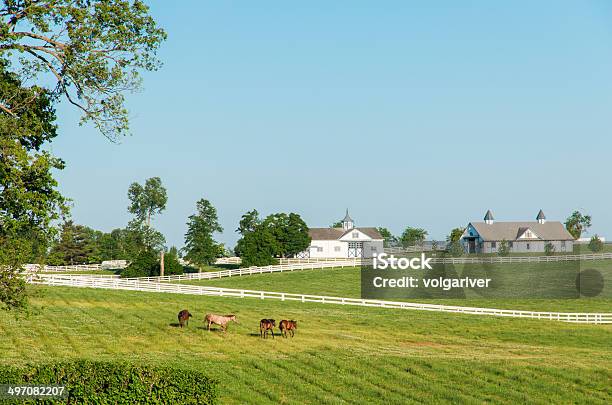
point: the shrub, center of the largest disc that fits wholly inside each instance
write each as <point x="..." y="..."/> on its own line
<point x="145" y="265"/>
<point x="504" y="248"/>
<point x="595" y="244"/>
<point x="93" y="382"/>
<point x="549" y="249"/>
<point x="456" y="249"/>
<point x="171" y="264"/>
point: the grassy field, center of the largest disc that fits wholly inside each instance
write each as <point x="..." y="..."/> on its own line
<point x="339" y="355"/>
<point x="346" y="283"/>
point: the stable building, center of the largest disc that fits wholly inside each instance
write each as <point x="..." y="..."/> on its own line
<point x="345" y="242"/>
<point x="522" y="237"/>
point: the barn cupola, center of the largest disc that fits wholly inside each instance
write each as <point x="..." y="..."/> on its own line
<point x="489" y="217"/>
<point x="541" y="217"/>
<point x="347" y="222"/>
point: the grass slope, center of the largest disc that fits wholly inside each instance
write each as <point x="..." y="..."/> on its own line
<point x="345" y="282"/>
<point x="340" y="354"/>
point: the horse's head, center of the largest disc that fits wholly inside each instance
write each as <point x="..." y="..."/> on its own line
<point x="273" y="322"/>
<point x="294" y="324"/>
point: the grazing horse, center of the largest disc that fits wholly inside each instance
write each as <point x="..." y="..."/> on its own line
<point x="221" y="320"/>
<point x="266" y="325"/>
<point x="287" y="326"/>
<point x="183" y="318"/>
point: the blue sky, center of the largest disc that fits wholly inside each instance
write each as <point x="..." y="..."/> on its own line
<point x="407" y="113"/>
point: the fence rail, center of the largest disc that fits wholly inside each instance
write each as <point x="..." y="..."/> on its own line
<point x="244" y="271"/>
<point x="148" y="286"/>
<point x="63" y="269"/>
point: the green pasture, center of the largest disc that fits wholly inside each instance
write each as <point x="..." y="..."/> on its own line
<point x="339" y="354"/>
<point x="345" y="282"/>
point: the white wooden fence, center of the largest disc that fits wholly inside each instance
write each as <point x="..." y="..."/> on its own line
<point x="63" y="269"/>
<point x="520" y="259"/>
<point x="244" y="271"/>
<point x="140" y="285"/>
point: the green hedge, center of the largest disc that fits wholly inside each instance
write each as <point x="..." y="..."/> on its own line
<point x="93" y="382"/>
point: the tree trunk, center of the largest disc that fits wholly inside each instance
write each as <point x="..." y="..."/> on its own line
<point x="161" y="264"/>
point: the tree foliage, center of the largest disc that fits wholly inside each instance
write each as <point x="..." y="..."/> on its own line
<point x="455" y="249"/>
<point x="413" y="236"/>
<point x="29" y="199"/>
<point x="146" y="264"/>
<point x="577" y="223"/>
<point x="200" y="247"/>
<point x="145" y="202"/>
<point x="91" y="52"/>
<point x="504" y="248"/>
<point x="455" y="235"/>
<point x="258" y="248"/>
<point x="596" y="244"/>
<point x="148" y="200"/>
<point x="389" y="239"/>
<point x="290" y="232"/>
<point x="77" y="245"/>
<point x="278" y="235"/>
<point x="248" y="222"/>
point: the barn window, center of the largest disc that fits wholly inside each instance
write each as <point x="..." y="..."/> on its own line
<point x="493" y="245"/>
<point x="528" y="246"/>
<point x="355" y="235"/>
<point x="373" y="248"/>
<point x="319" y="249"/>
<point x="336" y="248"/>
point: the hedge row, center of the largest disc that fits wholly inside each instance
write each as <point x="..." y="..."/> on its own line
<point x="93" y="382"/>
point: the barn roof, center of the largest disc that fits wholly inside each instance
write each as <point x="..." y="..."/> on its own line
<point x="337" y="233"/>
<point x="510" y="231"/>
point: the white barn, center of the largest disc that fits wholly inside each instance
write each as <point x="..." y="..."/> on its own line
<point x="348" y="241"/>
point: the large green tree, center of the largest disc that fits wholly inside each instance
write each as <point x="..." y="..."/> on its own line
<point x="29" y="200"/>
<point x="577" y="223"/>
<point x="413" y="236"/>
<point x="389" y="239"/>
<point x="89" y="52"/>
<point x="200" y="247"/>
<point x="145" y="202"/>
<point x="258" y="248"/>
<point x="148" y="200"/>
<point x="77" y="245"/>
<point x="290" y="232"/>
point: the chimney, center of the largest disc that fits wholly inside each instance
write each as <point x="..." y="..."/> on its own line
<point x="488" y="217"/>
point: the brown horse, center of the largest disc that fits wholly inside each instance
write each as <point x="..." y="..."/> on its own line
<point x="287" y="326"/>
<point x="221" y="320"/>
<point x="266" y="325"/>
<point x="183" y="317"/>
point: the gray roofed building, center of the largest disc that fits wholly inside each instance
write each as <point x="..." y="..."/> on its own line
<point x="521" y="236"/>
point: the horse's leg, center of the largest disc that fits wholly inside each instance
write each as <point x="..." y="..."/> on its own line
<point x="272" y="330"/>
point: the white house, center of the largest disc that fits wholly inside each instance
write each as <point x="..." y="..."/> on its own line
<point x="524" y="237"/>
<point x="347" y="241"/>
